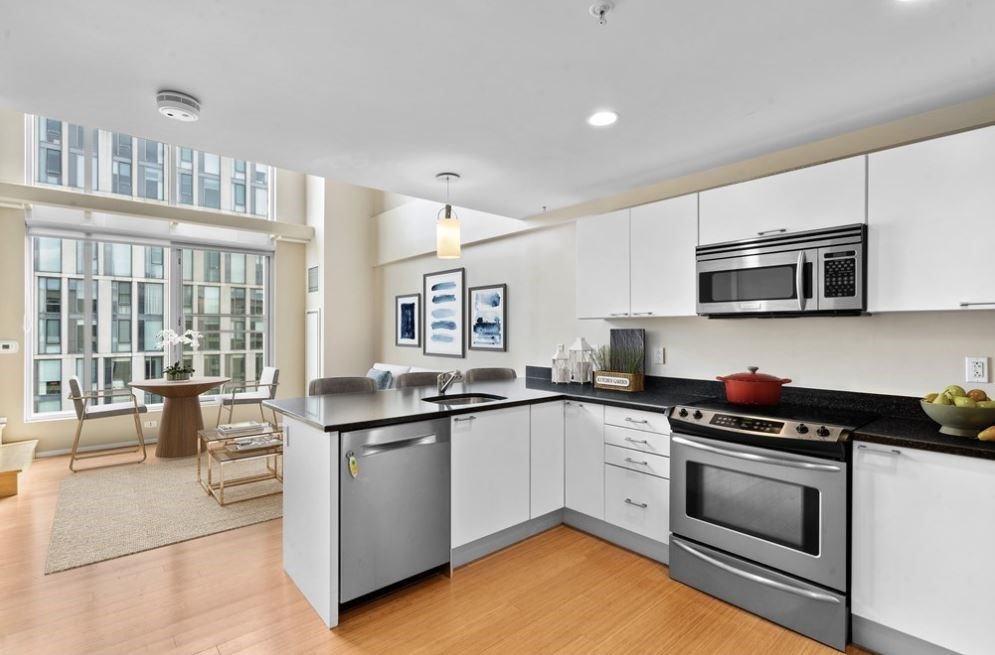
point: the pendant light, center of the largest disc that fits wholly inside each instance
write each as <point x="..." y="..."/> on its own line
<point x="447" y="231"/>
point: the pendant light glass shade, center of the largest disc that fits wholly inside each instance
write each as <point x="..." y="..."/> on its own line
<point x="447" y="235"/>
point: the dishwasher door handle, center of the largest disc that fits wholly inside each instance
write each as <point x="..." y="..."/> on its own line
<point x="376" y="448"/>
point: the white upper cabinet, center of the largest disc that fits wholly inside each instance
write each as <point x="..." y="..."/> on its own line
<point x="826" y="195"/>
<point x="603" y="265"/>
<point x="662" y="238"/>
<point x="931" y="224"/>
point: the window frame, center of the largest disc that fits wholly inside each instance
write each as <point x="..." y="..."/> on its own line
<point x="174" y="314"/>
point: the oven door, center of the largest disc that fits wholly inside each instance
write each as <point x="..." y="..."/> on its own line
<point x="776" y="282"/>
<point x="783" y="510"/>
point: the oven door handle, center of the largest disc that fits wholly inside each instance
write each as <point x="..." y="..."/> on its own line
<point x="800" y="280"/>
<point x="753" y="457"/>
<point x="753" y="577"/>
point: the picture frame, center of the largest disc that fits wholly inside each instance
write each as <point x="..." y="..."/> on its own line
<point x="408" y="320"/>
<point x="444" y="313"/>
<point x="488" y="317"/>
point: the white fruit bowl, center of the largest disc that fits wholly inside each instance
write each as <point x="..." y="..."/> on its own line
<point x="960" y="421"/>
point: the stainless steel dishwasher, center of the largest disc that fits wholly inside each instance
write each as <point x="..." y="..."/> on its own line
<point x="394" y="513"/>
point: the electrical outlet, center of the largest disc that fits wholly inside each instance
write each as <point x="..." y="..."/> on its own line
<point x="976" y="369"/>
<point x="150" y="424"/>
<point x="658" y="356"/>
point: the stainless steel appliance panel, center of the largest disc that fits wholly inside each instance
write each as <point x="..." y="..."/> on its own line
<point x="818" y="613"/>
<point x="394" y="513"/>
<point x="783" y="510"/>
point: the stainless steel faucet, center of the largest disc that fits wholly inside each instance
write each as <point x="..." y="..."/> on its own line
<point x="445" y="380"/>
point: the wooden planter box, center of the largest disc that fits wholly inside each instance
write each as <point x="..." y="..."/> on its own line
<point x="618" y="381"/>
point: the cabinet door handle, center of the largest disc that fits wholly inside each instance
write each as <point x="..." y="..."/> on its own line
<point x="779" y="230"/>
<point x="618" y="313"/>
<point x="632" y="461"/>
<point x="642" y="313"/>
<point x="634" y="503"/>
<point x="641" y="421"/>
<point x="465" y="418"/>
<point x="889" y="451"/>
<point x="642" y="441"/>
<point x="286" y="435"/>
<point x="975" y="304"/>
<point x="573" y="404"/>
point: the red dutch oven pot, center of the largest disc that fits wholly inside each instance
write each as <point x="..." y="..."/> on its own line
<point x="753" y="388"/>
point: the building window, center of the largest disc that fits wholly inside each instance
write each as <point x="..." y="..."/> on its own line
<point x="212" y="266"/>
<point x="209" y="181"/>
<point x="121" y="160"/>
<point x="138" y="168"/>
<point x="119" y="299"/>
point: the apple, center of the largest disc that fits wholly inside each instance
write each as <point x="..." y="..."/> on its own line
<point x="955" y="391"/>
<point x="930" y="397"/>
<point x="964" y="401"/>
<point x="977" y="394"/>
<point x="987" y="404"/>
<point x="987" y="434"/>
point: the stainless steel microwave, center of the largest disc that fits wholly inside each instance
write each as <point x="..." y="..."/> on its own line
<point x="786" y="274"/>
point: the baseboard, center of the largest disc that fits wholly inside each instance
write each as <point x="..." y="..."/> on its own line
<point x="637" y="543"/>
<point x="492" y="543"/>
<point x="888" y="641"/>
<point x="58" y="452"/>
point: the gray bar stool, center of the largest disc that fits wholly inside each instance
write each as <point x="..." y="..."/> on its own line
<point x="419" y="379"/>
<point x="489" y="374"/>
<point x="325" y="386"/>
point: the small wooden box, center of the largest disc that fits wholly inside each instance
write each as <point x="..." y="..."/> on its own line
<point x="618" y="381"/>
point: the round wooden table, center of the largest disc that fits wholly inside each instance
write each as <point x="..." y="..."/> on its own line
<point x="181" y="417"/>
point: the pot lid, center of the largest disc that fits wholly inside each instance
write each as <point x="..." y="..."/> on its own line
<point x="753" y="376"/>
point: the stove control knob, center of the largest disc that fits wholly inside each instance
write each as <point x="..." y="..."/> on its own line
<point x="683" y="413"/>
<point x="823" y="431"/>
<point x="696" y="415"/>
<point x="801" y="428"/>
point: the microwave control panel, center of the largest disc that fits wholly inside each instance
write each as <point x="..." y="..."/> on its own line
<point x="839" y="274"/>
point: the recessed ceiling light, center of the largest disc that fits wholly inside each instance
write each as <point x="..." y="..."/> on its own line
<point x="602" y="118"/>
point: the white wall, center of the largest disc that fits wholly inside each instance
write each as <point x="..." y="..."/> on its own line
<point x="344" y="247"/>
<point x="907" y="353"/>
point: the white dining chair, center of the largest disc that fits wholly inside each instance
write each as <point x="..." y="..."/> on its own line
<point x="88" y="407"/>
<point x="238" y="393"/>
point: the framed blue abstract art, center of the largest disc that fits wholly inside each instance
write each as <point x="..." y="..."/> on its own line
<point x="407" y="320"/>
<point x="445" y="309"/>
<point x="489" y="317"/>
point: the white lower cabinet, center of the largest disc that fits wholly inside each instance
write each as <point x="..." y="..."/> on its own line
<point x="923" y="534"/>
<point x="490" y="472"/>
<point x="638" y="502"/>
<point x="546" y="459"/>
<point x="585" y="451"/>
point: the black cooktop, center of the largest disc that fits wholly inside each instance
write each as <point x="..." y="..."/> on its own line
<point x="849" y="420"/>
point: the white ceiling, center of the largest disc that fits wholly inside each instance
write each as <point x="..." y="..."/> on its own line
<point x="388" y="93"/>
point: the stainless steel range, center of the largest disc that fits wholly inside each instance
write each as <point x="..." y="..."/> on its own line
<point x="759" y="511"/>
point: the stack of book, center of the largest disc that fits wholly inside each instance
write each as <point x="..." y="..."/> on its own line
<point x="242" y="427"/>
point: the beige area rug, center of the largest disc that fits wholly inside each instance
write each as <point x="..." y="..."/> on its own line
<point x="113" y="512"/>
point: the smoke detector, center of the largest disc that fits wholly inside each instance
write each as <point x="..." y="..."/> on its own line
<point x="178" y="106"/>
<point x="599" y="10"/>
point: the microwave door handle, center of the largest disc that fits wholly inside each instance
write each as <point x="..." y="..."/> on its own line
<point x="753" y="457"/>
<point x="776" y="584"/>
<point x="800" y="280"/>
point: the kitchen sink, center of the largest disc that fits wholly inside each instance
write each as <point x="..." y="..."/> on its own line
<point x="464" y="399"/>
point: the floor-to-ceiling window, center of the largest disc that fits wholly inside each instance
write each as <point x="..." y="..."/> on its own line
<point x="99" y="304"/>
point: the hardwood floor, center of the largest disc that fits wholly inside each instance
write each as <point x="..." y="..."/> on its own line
<point x="560" y="592"/>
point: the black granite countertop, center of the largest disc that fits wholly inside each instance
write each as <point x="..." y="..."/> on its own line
<point x="359" y="411"/>
<point x="901" y="422"/>
<point x="912" y="432"/>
